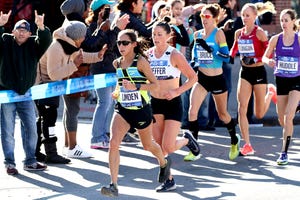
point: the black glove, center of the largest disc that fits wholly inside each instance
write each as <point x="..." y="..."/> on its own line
<point x="204" y="45"/>
<point x="192" y="63"/>
<point x="248" y="61"/>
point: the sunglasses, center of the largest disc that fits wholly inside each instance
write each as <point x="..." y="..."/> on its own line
<point x="206" y="16"/>
<point x="123" y="42"/>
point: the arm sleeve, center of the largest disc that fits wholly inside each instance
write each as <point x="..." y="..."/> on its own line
<point x="187" y="11"/>
<point x="93" y="41"/>
<point x="265" y="44"/>
<point x="182" y="38"/>
<point x="43" y="41"/>
<point x="137" y="24"/>
<point x="234" y="49"/>
<point x="91" y="57"/>
<point x="1" y="34"/>
<point x="223" y="53"/>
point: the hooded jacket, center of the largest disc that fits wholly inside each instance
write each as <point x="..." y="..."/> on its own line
<point x="57" y="63"/>
<point x="18" y="62"/>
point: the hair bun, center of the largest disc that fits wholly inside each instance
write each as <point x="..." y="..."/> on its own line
<point x="167" y="19"/>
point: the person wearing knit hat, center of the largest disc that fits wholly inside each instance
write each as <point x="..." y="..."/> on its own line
<point x="76" y="30"/>
<point x="98" y="3"/>
<point x="74" y="9"/>
<point x="64" y="59"/>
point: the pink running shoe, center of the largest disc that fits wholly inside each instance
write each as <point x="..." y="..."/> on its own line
<point x="272" y="90"/>
<point x="247" y="150"/>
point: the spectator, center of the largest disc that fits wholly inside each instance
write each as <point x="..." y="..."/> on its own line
<point x="28" y="49"/>
<point x="63" y="58"/>
<point x="97" y="36"/>
<point x="75" y="9"/>
<point x="134" y="9"/>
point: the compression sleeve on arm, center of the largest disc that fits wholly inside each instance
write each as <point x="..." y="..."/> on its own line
<point x="234" y="49"/>
<point x="223" y="53"/>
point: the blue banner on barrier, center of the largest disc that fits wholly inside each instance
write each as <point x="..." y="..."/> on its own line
<point x="58" y="88"/>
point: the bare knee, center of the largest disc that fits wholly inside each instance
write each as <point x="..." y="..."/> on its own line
<point x="193" y="114"/>
<point x="289" y="117"/>
<point x="114" y="144"/>
<point x="169" y="148"/>
<point x="242" y="110"/>
<point x="259" y="114"/>
<point x="281" y="121"/>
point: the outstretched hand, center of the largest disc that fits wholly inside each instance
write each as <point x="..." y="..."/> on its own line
<point x="4" y="18"/>
<point x="102" y="51"/>
<point x="123" y="21"/>
<point x="39" y="20"/>
<point x="78" y="60"/>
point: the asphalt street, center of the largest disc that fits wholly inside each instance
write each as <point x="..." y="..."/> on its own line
<point x="213" y="176"/>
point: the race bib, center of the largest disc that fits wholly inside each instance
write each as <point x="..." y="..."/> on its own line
<point x="130" y="98"/>
<point x="159" y="69"/>
<point x="287" y="65"/>
<point x="246" y="48"/>
<point x="203" y="56"/>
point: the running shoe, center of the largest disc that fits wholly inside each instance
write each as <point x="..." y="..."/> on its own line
<point x="11" y="170"/>
<point x="100" y="145"/>
<point x="168" y="185"/>
<point x="65" y="151"/>
<point x="128" y="138"/>
<point x="235" y="149"/>
<point x="191" y="157"/>
<point x="164" y="172"/>
<point x="283" y="159"/>
<point x="272" y="90"/>
<point x="78" y="152"/>
<point x="247" y="150"/>
<point x="35" y="167"/>
<point x="192" y="144"/>
<point x="111" y="190"/>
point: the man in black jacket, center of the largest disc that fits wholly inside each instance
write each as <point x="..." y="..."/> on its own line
<point x="19" y="54"/>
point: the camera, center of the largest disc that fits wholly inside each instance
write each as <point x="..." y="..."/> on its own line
<point x="169" y="20"/>
<point x="106" y="13"/>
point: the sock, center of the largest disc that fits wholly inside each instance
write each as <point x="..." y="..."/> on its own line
<point x="194" y="128"/>
<point x="231" y="130"/>
<point x="115" y="185"/>
<point x="165" y="164"/>
<point x="287" y="143"/>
